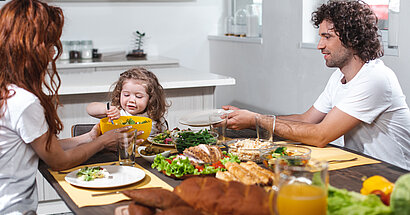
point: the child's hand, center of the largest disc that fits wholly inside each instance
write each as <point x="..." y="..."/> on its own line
<point x="113" y="113"/>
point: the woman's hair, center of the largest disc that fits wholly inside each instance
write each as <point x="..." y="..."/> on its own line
<point x="29" y="29"/>
<point x="355" y="24"/>
<point x="156" y="106"/>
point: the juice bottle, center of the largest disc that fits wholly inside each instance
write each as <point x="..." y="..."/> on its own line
<point x="299" y="198"/>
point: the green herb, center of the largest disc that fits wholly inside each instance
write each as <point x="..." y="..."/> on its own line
<point x="188" y="139"/>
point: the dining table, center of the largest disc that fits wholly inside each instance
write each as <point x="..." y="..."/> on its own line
<point x="350" y="178"/>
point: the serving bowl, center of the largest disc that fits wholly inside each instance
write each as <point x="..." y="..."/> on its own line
<point x="141" y="124"/>
<point x="294" y="155"/>
<point x="150" y="158"/>
<point x="247" y="149"/>
<point x="188" y="138"/>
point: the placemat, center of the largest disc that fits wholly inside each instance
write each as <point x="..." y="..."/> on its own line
<point x="332" y="153"/>
<point x="82" y="196"/>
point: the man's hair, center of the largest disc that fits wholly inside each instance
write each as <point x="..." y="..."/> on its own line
<point x="355" y="24"/>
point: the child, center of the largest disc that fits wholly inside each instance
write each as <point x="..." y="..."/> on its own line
<point x="136" y="93"/>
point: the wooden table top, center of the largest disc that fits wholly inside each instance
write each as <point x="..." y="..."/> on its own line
<point x="349" y="178"/>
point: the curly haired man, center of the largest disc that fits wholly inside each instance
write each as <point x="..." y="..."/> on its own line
<point x="362" y="100"/>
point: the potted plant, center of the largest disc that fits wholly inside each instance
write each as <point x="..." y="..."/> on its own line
<point x="138" y="52"/>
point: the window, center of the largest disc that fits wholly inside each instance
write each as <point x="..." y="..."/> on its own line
<point x="387" y="11"/>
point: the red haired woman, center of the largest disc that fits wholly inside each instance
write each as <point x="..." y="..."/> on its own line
<point x="30" y="33"/>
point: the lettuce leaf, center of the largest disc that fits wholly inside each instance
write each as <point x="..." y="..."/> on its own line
<point x="400" y="197"/>
<point x="342" y="202"/>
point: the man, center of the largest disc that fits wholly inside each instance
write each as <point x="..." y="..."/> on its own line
<point x="362" y="100"/>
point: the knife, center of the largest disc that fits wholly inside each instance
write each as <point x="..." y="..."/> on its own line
<point x="104" y="194"/>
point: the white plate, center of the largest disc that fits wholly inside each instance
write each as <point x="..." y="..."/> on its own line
<point x="201" y="118"/>
<point x="121" y="176"/>
<point x="151" y="140"/>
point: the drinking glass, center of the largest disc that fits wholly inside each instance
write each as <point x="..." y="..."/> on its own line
<point x="126" y="151"/>
<point x="221" y="119"/>
<point x="300" y="189"/>
<point x="264" y="127"/>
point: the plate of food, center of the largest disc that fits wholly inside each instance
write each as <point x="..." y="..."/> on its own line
<point x="105" y="176"/>
<point x="203" y="118"/>
<point x="247" y="149"/>
<point x="165" y="138"/>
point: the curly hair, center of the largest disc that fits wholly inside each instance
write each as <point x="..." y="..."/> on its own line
<point x="157" y="105"/>
<point x="29" y="29"/>
<point x="355" y="24"/>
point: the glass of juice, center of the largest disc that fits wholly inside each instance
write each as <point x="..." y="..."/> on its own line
<point x="300" y="189"/>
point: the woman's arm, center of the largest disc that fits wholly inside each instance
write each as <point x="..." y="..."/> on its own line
<point x="58" y="159"/>
<point x="69" y="143"/>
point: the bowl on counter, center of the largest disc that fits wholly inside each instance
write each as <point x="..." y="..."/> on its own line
<point x="150" y="158"/>
<point x="293" y="155"/>
<point x="139" y="123"/>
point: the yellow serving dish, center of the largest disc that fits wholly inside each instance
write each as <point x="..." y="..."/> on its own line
<point x="106" y="125"/>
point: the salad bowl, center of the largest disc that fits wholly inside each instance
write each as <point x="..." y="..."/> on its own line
<point x="138" y="123"/>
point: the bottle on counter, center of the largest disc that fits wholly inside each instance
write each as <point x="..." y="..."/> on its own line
<point x="253" y="20"/>
<point x="229" y="26"/>
<point x="241" y="23"/>
<point x="86" y="49"/>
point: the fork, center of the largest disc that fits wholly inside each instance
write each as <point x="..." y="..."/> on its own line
<point x="342" y="160"/>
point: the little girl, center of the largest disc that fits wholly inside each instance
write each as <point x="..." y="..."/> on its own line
<point x="137" y="93"/>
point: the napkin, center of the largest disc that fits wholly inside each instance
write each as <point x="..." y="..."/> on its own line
<point x="332" y="153"/>
<point x="82" y="196"/>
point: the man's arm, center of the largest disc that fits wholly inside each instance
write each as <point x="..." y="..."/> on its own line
<point x="335" y="124"/>
<point x="310" y="116"/>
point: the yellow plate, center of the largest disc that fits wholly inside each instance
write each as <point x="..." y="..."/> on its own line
<point x="106" y="125"/>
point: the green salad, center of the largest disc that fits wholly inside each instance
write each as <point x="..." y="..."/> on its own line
<point x="130" y="121"/>
<point x="179" y="167"/>
<point x="91" y="173"/>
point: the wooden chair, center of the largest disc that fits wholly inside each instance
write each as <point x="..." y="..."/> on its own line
<point x="79" y="129"/>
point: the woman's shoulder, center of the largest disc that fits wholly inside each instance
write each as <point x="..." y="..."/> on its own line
<point x="20" y="96"/>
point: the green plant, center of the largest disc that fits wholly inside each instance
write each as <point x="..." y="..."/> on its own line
<point x="139" y="39"/>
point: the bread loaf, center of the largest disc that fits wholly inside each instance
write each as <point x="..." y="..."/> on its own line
<point x="180" y="210"/>
<point x="215" y="196"/>
<point x="136" y="209"/>
<point x="155" y="198"/>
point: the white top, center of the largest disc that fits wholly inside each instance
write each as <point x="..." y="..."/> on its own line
<point x="22" y="123"/>
<point x="154" y="130"/>
<point x="373" y="96"/>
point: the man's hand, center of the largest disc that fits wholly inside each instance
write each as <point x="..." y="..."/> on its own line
<point x="241" y="119"/>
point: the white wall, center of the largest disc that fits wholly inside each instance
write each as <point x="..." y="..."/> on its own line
<point x="278" y="76"/>
<point x="174" y="29"/>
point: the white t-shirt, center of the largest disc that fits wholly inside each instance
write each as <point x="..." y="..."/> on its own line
<point x="22" y="123"/>
<point x="373" y="96"/>
<point x="154" y="130"/>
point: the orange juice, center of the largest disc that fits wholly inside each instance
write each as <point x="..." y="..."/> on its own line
<point x="298" y="198"/>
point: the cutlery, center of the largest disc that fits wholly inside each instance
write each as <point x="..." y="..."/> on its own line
<point x="108" y="107"/>
<point x="66" y="172"/>
<point x="342" y="160"/>
<point x="104" y="194"/>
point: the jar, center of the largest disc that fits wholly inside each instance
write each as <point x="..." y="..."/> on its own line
<point x="65" y="55"/>
<point x="241" y="23"/>
<point x="75" y="52"/>
<point x="86" y="49"/>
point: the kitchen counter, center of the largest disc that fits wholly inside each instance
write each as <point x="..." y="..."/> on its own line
<point x="150" y="61"/>
<point x="78" y="82"/>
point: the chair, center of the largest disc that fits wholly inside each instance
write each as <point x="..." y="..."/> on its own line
<point x="79" y="129"/>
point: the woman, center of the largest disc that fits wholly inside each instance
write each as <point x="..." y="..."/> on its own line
<point x="30" y="32"/>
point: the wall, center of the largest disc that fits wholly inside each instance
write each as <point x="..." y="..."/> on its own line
<point x="278" y="76"/>
<point x="176" y="29"/>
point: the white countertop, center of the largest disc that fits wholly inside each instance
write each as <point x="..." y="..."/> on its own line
<point x="107" y="62"/>
<point x="170" y="78"/>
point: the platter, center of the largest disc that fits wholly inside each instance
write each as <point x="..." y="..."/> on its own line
<point x="151" y="140"/>
<point x="202" y="118"/>
<point x="121" y="176"/>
